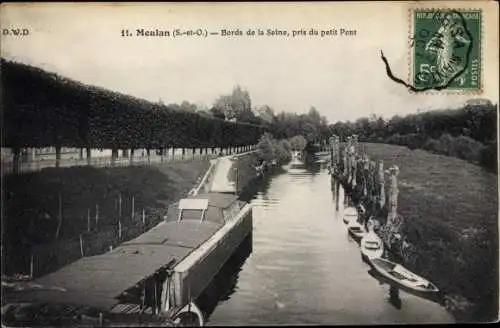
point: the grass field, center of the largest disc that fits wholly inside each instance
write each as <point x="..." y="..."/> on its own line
<point x="450" y="211"/>
<point x="33" y="203"/>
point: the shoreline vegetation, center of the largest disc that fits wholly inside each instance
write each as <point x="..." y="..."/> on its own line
<point x="468" y="132"/>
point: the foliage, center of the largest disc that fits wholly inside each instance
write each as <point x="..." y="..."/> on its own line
<point x="298" y="143"/>
<point x="311" y="126"/>
<point x="468" y="133"/>
<point x="43" y="109"/>
<point x="236" y="106"/>
<point x="270" y="149"/>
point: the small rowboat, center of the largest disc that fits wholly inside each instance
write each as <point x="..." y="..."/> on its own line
<point x="350" y="215"/>
<point x="396" y="274"/>
<point x="372" y="246"/>
<point x="356" y="230"/>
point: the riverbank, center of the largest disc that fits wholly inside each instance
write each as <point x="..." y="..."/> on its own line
<point x="93" y="209"/>
<point x="450" y="227"/>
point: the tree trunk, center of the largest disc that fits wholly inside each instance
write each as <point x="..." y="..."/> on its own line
<point x="114" y="156"/>
<point x="89" y="154"/>
<point x="81" y="153"/>
<point x="16" y="151"/>
<point x="58" y="155"/>
<point x="131" y="155"/>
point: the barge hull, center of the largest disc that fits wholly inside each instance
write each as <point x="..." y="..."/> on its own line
<point x="193" y="274"/>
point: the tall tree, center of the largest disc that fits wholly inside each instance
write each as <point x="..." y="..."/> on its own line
<point x="237" y="106"/>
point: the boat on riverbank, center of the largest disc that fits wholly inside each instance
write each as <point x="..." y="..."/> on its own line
<point x="160" y="273"/>
<point x="350" y="214"/>
<point x="356" y="230"/>
<point x="372" y="247"/>
<point x="397" y="275"/>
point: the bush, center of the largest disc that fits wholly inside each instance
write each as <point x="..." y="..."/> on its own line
<point x="489" y="157"/>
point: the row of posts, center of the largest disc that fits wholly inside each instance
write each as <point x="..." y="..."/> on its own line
<point x="354" y="167"/>
<point x="129" y="153"/>
<point x="164" y="152"/>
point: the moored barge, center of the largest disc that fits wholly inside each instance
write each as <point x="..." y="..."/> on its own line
<point x="158" y="275"/>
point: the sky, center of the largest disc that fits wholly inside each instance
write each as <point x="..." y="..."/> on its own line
<point x="342" y="76"/>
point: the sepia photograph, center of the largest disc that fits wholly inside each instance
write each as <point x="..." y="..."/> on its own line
<point x="249" y="163"/>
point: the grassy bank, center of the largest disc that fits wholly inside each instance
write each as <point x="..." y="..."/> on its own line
<point x="88" y="201"/>
<point x="450" y="224"/>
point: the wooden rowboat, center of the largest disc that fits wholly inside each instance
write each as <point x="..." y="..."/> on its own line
<point x="372" y="246"/>
<point x="356" y="230"/>
<point x="397" y="275"/>
<point x="350" y="214"/>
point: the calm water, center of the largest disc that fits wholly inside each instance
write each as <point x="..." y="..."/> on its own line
<point x="301" y="267"/>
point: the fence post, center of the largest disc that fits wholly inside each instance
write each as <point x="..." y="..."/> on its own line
<point x="96" y="215"/>
<point x="59" y="216"/>
<point x="81" y="244"/>
<point x="143" y="217"/>
<point x="32" y="266"/>
<point x="120" y="205"/>
<point x="88" y="219"/>
<point x="133" y="205"/>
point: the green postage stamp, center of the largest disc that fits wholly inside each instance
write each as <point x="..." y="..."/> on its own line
<point x="446" y="49"/>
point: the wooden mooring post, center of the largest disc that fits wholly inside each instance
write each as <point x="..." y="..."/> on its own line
<point x="381" y="182"/>
<point x="393" y="196"/>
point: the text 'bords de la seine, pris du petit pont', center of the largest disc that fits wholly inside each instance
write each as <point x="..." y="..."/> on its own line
<point x="238" y="32"/>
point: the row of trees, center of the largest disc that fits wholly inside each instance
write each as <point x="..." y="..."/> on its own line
<point x="469" y="132"/>
<point x="42" y="109"/>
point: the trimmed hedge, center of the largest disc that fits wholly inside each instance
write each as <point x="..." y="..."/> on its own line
<point x="42" y="109"/>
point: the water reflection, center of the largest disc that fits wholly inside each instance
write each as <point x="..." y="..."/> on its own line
<point x="224" y="283"/>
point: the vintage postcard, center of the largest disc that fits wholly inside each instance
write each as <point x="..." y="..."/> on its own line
<point x="265" y="163"/>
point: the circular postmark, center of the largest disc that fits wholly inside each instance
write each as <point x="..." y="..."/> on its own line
<point x="444" y="50"/>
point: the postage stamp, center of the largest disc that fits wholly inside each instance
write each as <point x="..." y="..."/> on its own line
<point x="445" y="49"/>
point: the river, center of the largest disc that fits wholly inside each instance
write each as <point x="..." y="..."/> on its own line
<point x="300" y="266"/>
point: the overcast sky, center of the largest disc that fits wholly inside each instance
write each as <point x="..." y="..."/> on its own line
<point x="343" y="77"/>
